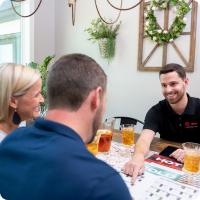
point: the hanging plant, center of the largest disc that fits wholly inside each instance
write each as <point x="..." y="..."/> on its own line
<point x="152" y="28"/>
<point x="105" y="35"/>
<point x="107" y="48"/>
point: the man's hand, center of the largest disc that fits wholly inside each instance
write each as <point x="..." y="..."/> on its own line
<point x="134" y="167"/>
<point x="178" y="155"/>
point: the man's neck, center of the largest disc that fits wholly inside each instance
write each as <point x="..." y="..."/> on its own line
<point x="71" y="119"/>
<point x="180" y="106"/>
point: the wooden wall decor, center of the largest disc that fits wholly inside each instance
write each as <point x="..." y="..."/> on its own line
<point x="146" y="53"/>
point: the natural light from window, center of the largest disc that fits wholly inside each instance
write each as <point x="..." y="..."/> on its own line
<point x="10" y="34"/>
<point x="10" y="27"/>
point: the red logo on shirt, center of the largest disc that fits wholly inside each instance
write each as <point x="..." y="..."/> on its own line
<point x="193" y="124"/>
<point x="187" y="124"/>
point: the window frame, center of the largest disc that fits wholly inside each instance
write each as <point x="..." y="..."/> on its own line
<point x="15" y="40"/>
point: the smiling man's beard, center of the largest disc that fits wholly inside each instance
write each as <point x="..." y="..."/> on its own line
<point x="177" y="100"/>
<point x="180" y="95"/>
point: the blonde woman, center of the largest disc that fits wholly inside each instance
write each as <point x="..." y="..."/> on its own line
<point x="20" y="96"/>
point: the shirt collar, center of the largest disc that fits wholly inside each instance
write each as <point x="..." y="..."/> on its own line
<point x="187" y="108"/>
<point x="51" y="126"/>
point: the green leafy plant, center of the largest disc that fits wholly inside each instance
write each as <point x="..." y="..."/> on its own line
<point x="43" y="69"/>
<point x="105" y="35"/>
<point x="99" y="30"/>
<point x="153" y="30"/>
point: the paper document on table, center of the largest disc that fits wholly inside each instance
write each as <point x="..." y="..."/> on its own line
<point x="158" y="182"/>
<point x="165" y="161"/>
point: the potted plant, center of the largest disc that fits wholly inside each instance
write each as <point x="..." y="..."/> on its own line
<point x="105" y="35"/>
<point x="43" y="68"/>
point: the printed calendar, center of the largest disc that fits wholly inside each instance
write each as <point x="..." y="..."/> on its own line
<point x="158" y="182"/>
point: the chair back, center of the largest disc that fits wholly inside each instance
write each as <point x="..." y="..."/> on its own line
<point x="126" y="120"/>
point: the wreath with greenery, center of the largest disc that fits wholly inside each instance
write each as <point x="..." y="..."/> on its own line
<point x="152" y="28"/>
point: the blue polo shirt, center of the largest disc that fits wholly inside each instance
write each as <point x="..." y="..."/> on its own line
<point x="49" y="161"/>
<point x="172" y="126"/>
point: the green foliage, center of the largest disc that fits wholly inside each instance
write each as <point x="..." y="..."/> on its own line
<point x="99" y="30"/>
<point x="105" y="35"/>
<point x="107" y="48"/>
<point x="153" y="30"/>
<point x="43" y="69"/>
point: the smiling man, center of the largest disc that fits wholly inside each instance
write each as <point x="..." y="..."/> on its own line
<point x="176" y="118"/>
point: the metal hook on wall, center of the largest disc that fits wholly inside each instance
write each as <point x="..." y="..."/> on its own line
<point x="72" y="3"/>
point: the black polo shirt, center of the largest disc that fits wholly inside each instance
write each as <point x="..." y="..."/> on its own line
<point x="172" y="126"/>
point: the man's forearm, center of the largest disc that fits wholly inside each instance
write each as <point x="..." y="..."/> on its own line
<point x="143" y="144"/>
<point x="141" y="148"/>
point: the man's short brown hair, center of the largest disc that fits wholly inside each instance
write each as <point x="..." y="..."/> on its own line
<point x="71" y="79"/>
<point x="173" y="67"/>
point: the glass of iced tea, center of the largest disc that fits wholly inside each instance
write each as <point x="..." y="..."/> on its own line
<point x="191" y="157"/>
<point x="105" y="133"/>
<point x="105" y="140"/>
<point x="127" y="133"/>
<point x="93" y="146"/>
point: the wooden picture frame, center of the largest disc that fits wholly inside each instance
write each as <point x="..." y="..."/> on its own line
<point x="188" y="62"/>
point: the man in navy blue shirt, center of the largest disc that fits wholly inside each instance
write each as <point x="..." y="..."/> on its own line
<point x="49" y="160"/>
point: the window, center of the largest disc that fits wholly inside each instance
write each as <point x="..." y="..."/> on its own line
<point x="10" y="33"/>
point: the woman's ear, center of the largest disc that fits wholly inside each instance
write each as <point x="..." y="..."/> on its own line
<point x="13" y="103"/>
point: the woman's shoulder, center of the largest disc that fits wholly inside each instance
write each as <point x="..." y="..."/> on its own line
<point x="2" y="135"/>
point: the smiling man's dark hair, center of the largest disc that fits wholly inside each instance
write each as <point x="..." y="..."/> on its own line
<point x="173" y="67"/>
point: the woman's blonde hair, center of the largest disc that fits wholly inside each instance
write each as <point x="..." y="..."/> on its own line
<point x="15" y="80"/>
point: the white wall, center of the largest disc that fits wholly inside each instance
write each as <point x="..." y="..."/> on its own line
<point x="130" y="92"/>
<point x="43" y="35"/>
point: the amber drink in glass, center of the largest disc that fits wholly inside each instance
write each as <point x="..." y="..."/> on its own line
<point x="192" y="157"/>
<point x="127" y="133"/>
<point x="93" y="146"/>
<point x="105" y="140"/>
